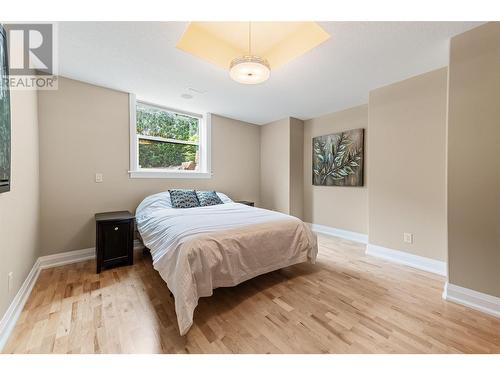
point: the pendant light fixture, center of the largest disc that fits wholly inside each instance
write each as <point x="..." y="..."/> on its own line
<point x="249" y="69"/>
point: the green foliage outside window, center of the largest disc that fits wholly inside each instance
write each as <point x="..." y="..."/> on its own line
<point x="158" y="123"/>
<point x="165" y="155"/>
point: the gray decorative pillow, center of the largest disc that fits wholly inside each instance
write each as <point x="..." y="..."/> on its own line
<point x="208" y="198"/>
<point x="183" y="198"/>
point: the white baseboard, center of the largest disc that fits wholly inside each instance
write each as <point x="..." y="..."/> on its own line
<point x="470" y="298"/>
<point x="342" y="233"/>
<point x="415" y="261"/>
<point x="60" y="259"/>
<point x="47" y="261"/>
<point x="397" y="256"/>
<point x="16" y="306"/>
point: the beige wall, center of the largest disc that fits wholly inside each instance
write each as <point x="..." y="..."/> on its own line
<point x="407" y="178"/>
<point x="335" y="206"/>
<point x="281" y="166"/>
<point x="19" y="208"/>
<point x="296" y="167"/>
<point x="473" y="160"/>
<point x="275" y="165"/>
<point x="84" y="129"/>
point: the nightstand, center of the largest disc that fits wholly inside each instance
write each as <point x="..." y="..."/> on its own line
<point x="248" y="203"/>
<point x="114" y="239"/>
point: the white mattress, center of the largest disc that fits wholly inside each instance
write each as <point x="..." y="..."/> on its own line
<point x="196" y="250"/>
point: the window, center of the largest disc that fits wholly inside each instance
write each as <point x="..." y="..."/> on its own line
<point x="167" y="143"/>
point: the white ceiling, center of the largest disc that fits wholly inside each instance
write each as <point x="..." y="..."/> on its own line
<point x="141" y="57"/>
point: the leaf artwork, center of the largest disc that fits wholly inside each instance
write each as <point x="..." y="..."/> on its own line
<point x="338" y="159"/>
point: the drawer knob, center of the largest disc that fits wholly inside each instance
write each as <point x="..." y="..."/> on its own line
<point x="116" y="228"/>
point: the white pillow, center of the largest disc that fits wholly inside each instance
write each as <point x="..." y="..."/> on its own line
<point x="161" y="201"/>
<point x="153" y="202"/>
<point x="224" y="198"/>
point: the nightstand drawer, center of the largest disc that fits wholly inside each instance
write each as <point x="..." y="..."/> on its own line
<point x="114" y="239"/>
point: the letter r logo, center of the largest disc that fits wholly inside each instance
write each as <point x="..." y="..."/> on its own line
<point x="30" y="48"/>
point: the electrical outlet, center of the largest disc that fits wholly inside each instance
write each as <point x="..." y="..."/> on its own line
<point x="10" y="279"/>
<point x="98" y="177"/>
<point x="408" y="237"/>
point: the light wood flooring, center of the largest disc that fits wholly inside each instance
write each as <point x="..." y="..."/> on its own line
<point x="345" y="303"/>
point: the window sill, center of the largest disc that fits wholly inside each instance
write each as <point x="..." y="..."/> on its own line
<point x="151" y="173"/>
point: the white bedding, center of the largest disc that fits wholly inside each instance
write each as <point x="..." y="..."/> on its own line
<point x="196" y="250"/>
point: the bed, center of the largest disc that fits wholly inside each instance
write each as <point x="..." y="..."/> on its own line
<point x="196" y="250"/>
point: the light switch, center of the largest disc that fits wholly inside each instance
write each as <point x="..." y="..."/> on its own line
<point x="98" y="177"/>
<point x="408" y="237"/>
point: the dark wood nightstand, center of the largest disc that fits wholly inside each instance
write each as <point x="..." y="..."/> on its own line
<point x="248" y="203"/>
<point x="114" y="239"/>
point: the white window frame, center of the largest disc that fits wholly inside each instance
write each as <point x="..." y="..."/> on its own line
<point x="204" y="128"/>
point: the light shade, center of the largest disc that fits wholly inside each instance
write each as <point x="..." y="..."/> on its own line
<point x="278" y="42"/>
<point x="249" y="70"/>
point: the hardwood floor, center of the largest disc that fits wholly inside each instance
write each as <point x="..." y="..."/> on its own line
<point x="345" y="303"/>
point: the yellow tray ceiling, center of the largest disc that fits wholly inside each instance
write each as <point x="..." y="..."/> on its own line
<point x="278" y="42"/>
